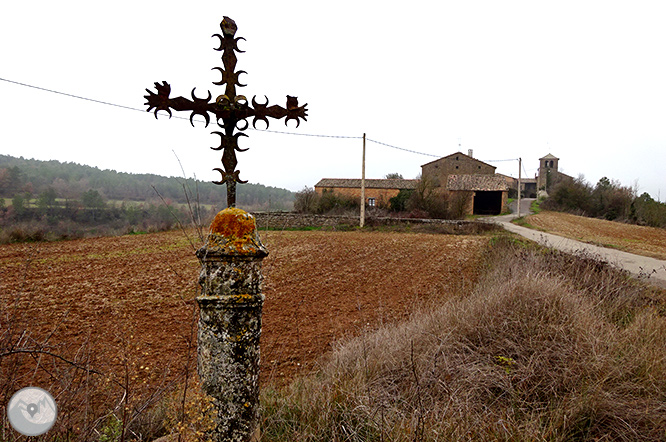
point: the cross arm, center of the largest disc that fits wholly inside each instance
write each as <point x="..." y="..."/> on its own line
<point x="292" y="112"/>
<point x="160" y="100"/>
<point x="235" y="108"/>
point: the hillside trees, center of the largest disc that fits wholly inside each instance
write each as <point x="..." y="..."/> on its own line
<point x="571" y="196"/>
<point x="608" y="199"/>
<point x="18" y="205"/>
<point x="10" y="180"/>
<point x="70" y="180"/>
<point x="648" y="211"/>
<point x="49" y="199"/>
<point x="94" y="202"/>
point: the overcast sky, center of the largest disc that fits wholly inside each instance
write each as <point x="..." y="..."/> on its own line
<point x="583" y="80"/>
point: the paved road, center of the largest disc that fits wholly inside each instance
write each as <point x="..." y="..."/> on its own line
<point x="641" y="266"/>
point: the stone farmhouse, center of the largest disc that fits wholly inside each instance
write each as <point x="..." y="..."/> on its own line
<point x="457" y="177"/>
<point x="463" y="177"/>
<point x="377" y="192"/>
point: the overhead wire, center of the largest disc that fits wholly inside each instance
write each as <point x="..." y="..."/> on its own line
<point x="304" y="135"/>
<point x="525" y="170"/>
<point x="174" y="116"/>
<point x="70" y="95"/>
<point x="251" y="128"/>
<point x="401" y="148"/>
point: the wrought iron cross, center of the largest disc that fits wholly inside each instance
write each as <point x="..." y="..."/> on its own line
<point x="229" y="109"/>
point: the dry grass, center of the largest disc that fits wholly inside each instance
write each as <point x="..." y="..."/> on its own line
<point x="547" y="347"/>
<point x="641" y="240"/>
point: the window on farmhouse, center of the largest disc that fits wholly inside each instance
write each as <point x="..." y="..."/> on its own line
<point x="371" y="202"/>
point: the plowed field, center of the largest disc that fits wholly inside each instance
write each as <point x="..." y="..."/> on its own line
<point x="124" y="307"/>
<point x="641" y="240"/>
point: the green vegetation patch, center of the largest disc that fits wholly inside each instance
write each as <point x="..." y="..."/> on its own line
<point x="522" y="221"/>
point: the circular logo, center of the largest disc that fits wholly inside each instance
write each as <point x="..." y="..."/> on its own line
<point x="32" y="411"/>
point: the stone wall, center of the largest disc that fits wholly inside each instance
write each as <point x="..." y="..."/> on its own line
<point x="292" y="220"/>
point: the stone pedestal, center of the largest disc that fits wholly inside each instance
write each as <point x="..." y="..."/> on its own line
<point x="230" y="323"/>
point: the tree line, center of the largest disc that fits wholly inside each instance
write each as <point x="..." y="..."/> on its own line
<point x="608" y="199"/>
<point x="52" y="199"/>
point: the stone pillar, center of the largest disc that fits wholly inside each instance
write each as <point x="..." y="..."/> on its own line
<point x="230" y="323"/>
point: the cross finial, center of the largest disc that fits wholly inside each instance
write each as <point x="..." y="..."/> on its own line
<point x="228" y="26"/>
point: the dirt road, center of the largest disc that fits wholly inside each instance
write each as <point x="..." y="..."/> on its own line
<point x="651" y="269"/>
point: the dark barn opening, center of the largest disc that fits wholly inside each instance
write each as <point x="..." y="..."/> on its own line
<point x="488" y="203"/>
<point x="530" y="190"/>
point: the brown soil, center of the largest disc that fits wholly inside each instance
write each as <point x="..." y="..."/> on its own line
<point x="646" y="241"/>
<point x="125" y="306"/>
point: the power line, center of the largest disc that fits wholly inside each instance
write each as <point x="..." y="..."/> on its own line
<point x="175" y="116"/>
<point x="304" y="135"/>
<point x="202" y="121"/>
<point x="402" y="148"/>
<point x="71" y="95"/>
<point x="525" y="170"/>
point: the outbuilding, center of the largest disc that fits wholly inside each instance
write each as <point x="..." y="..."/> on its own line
<point x="485" y="194"/>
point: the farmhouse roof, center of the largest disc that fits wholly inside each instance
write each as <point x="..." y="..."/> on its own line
<point x="458" y="154"/>
<point x="510" y="179"/>
<point x="355" y="183"/>
<point x="477" y="182"/>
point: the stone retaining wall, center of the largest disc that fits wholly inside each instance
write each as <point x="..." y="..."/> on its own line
<point x="293" y="220"/>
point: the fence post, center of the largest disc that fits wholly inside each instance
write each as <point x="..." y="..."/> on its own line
<point x="230" y="323"/>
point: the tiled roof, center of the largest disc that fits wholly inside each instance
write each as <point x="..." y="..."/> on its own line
<point x="477" y="182"/>
<point x="514" y="180"/>
<point x="550" y="156"/>
<point x="355" y="183"/>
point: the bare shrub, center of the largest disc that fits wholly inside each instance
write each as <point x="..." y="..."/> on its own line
<point x="306" y="201"/>
<point x="459" y="204"/>
<point x="426" y="198"/>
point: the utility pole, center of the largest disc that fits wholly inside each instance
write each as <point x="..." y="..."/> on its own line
<point x="520" y="167"/>
<point x="362" y="223"/>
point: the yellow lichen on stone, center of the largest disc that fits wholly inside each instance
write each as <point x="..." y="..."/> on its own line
<point x="233" y="224"/>
<point x="234" y="231"/>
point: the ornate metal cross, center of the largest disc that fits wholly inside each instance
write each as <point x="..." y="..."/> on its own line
<point x="229" y="109"/>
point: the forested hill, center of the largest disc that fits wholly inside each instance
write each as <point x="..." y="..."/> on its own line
<point x="71" y="181"/>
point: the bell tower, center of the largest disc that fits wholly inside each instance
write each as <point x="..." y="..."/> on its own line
<point x="547" y="172"/>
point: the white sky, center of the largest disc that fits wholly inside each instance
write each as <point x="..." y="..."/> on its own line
<point x="583" y="80"/>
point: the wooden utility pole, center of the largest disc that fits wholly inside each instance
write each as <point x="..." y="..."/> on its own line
<point x="362" y="223"/>
<point x="520" y="166"/>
